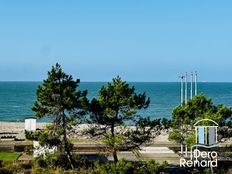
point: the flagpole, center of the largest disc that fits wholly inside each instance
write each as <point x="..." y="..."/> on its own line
<point x="191" y="90"/>
<point x="195" y="83"/>
<point x="186" y="88"/>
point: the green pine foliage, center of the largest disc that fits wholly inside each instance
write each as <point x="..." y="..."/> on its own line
<point x="184" y="117"/>
<point x="59" y="99"/>
<point x="117" y="105"/>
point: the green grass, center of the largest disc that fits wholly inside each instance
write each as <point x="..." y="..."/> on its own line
<point x="8" y="156"/>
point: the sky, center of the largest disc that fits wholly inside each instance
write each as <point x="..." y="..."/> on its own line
<point x="98" y="40"/>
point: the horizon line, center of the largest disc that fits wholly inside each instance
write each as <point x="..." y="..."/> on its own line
<point x="125" y="80"/>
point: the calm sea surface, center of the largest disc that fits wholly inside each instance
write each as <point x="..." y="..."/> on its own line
<point x="17" y="98"/>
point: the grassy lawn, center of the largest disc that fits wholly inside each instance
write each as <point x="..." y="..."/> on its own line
<point x="8" y="156"/>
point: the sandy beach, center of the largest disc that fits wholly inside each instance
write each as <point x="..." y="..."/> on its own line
<point x="18" y="128"/>
<point x="158" y="149"/>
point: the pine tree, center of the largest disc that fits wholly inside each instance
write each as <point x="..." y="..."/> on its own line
<point x="59" y="99"/>
<point x="115" y="118"/>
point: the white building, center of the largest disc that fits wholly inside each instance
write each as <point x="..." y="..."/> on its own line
<point x="30" y="124"/>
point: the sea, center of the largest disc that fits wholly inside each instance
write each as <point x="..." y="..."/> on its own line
<point x="17" y="98"/>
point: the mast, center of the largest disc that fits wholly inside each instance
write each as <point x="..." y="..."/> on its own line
<point x="195" y="82"/>
<point x="186" y="88"/>
<point x="191" y="90"/>
<point x="181" y="89"/>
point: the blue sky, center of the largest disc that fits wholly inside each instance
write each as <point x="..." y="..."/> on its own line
<point x="97" y="40"/>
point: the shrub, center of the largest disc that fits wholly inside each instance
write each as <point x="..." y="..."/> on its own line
<point x="225" y="132"/>
<point x="229" y="124"/>
<point x="41" y="163"/>
<point x="166" y="123"/>
<point x="5" y="171"/>
<point x="121" y="167"/>
<point x="127" y="167"/>
<point x="28" y="150"/>
<point x="150" y="167"/>
<point x="25" y="165"/>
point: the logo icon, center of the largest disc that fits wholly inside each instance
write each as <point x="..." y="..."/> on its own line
<point x="206" y="137"/>
<point x="206" y="133"/>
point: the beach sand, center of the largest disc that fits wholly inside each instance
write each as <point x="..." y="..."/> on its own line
<point x="159" y="149"/>
<point x="17" y="127"/>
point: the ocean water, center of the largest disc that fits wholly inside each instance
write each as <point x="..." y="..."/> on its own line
<point x="17" y="98"/>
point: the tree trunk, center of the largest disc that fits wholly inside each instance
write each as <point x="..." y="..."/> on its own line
<point x="115" y="156"/>
<point x="65" y="141"/>
<point x="69" y="155"/>
<point x="211" y="168"/>
<point x="114" y="153"/>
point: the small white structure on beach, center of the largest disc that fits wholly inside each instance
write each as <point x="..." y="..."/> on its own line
<point x="30" y="124"/>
